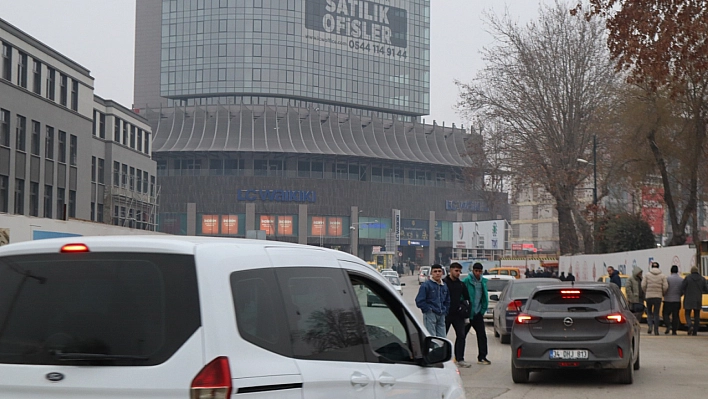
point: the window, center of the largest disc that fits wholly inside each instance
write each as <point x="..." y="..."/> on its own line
<point x="72" y="203"/>
<point x="75" y="99"/>
<point x="125" y="132"/>
<point x="63" y="81"/>
<point x="124" y="176"/>
<point x="37" y="77"/>
<point x="21" y="130"/>
<point x="290" y="52"/>
<point x="116" y="130"/>
<point x="257" y="25"/>
<point x="116" y="174"/>
<point x="132" y="136"/>
<point x="99" y="213"/>
<point x="145" y="182"/>
<point x="289" y="76"/>
<point x="34" y="199"/>
<point x="93" y="211"/>
<point x="22" y="70"/>
<point x="146" y="147"/>
<point x="4" y="193"/>
<point x="139" y="141"/>
<point x="61" y="208"/>
<point x="256" y="74"/>
<point x="62" y="147"/>
<point x="93" y="169"/>
<point x="34" y="140"/>
<point x="152" y="186"/>
<point x="73" y="144"/>
<point x="257" y="51"/>
<point x="102" y="125"/>
<point x="48" y="201"/>
<point x="99" y="171"/>
<point x="49" y="143"/>
<point x="139" y="180"/>
<point x="51" y="76"/>
<point x="131" y="182"/>
<point x="6" y="61"/>
<point x="4" y="127"/>
<point x="19" y="197"/>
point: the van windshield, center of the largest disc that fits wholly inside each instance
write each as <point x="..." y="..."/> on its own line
<point x="113" y="309"/>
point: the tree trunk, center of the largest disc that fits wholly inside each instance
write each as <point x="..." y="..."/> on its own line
<point x="568" y="237"/>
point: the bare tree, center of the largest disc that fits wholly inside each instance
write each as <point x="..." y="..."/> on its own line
<point x="547" y="84"/>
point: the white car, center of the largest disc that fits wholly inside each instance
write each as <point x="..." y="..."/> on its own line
<point x="389" y="272"/>
<point x="176" y="317"/>
<point x="396" y="283"/>
<point x="495" y="285"/>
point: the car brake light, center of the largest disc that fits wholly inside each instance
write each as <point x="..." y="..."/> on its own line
<point x="518" y="352"/>
<point x="514" y="306"/>
<point x="570" y="294"/>
<point x="213" y="381"/>
<point x="526" y="319"/>
<point x="614" y="318"/>
<point x="570" y="291"/>
<point x="74" y="248"/>
<point x="620" y="352"/>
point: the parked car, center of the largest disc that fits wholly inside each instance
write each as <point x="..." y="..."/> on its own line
<point x="506" y="271"/>
<point x="580" y="326"/>
<point x="389" y="272"/>
<point x="510" y="302"/>
<point x="495" y="285"/>
<point x="423" y="274"/>
<point x="207" y="317"/>
<point x="373" y="299"/>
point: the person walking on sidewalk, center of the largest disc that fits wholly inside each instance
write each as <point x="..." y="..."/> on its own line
<point x="634" y="292"/>
<point x="433" y="299"/>
<point x="459" y="312"/>
<point x="614" y="276"/>
<point x="693" y="288"/>
<point x="672" y="301"/>
<point x="654" y="285"/>
<point x="477" y="289"/>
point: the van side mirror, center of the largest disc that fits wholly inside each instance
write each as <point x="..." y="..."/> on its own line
<point x="494" y="297"/>
<point x="436" y="350"/>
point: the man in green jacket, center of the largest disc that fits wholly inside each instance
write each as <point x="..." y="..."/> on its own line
<point x="477" y="288"/>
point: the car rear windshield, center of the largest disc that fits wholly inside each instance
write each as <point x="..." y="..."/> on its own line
<point x="496" y="285"/>
<point x="112" y="309"/>
<point x="525" y="288"/>
<point x="393" y="280"/>
<point x="571" y="301"/>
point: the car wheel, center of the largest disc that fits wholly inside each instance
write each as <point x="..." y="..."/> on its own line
<point x="626" y="375"/>
<point x="636" y="363"/>
<point x="519" y="376"/>
<point x="505" y="338"/>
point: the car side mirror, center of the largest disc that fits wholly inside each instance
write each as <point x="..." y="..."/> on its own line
<point x="436" y="350"/>
<point x="494" y="297"/>
<point x="402" y="284"/>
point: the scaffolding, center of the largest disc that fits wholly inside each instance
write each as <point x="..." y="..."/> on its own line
<point x="133" y="205"/>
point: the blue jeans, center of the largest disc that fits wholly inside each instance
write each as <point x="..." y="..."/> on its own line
<point x="435" y="324"/>
<point x="653" y="306"/>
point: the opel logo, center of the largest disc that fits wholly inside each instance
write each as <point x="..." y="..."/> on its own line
<point x="55" y="377"/>
<point x="568" y="322"/>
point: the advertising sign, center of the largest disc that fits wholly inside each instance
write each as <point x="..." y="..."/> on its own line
<point x="489" y="234"/>
<point x="229" y="224"/>
<point x="397" y="224"/>
<point x="412" y="229"/>
<point x="334" y="226"/>
<point x="268" y="224"/>
<point x="285" y="225"/>
<point x="653" y="208"/>
<point x="366" y="27"/>
<point x="210" y="224"/>
<point x="318" y="225"/>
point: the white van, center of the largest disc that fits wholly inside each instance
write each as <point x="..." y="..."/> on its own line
<point x="178" y="317"/>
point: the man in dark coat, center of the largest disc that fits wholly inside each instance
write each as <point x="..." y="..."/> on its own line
<point x="614" y="276"/>
<point x="693" y="288"/>
<point x="457" y="315"/>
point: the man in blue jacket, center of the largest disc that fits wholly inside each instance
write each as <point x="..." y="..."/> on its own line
<point x="477" y="288"/>
<point x="434" y="300"/>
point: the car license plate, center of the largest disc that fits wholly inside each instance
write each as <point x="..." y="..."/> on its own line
<point x="569" y="354"/>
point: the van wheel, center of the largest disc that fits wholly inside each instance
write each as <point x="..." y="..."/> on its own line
<point x="505" y="338"/>
<point x="626" y="375"/>
<point x="519" y="376"/>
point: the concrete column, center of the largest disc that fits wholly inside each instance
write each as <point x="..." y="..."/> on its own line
<point x="432" y="255"/>
<point x="191" y="219"/>
<point x="250" y="216"/>
<point x="354" y="233"/>
<point x="302" y="224"/>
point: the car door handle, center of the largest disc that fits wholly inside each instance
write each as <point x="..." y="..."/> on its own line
<point x="360" y="379"/>
<point x="386" y="379"/>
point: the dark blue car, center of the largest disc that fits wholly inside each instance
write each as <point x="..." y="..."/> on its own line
<point x="511" y="300"/>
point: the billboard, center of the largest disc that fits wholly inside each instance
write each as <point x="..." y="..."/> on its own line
<point x="366" y="27"/>
<point x="490" y="234"/>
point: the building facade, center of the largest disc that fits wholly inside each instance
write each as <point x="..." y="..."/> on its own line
<point x="54" y="155"/>
<point x="302" y="119"/>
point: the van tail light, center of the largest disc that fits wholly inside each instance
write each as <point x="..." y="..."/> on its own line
<point x="69" y="248"/>
<point x="514" y="306"/>
<point x="614" y="318"/>
<point x="524" y="318"/>
<point x="213" y="381"/>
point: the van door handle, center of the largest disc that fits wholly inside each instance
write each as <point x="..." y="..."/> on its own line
<point x="360" y="379"/>
<point x="386" y="379"/>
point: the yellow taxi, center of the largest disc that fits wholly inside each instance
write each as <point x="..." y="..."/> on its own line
<point x="506" y="271"/>
<point x="704" y="307"/>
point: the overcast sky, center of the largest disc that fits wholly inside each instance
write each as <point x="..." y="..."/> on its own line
<point x="100" y="35"/>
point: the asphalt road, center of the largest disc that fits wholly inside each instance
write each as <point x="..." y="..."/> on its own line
<point x="671" y="367"/>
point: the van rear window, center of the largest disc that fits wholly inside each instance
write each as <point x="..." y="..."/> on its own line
<point x="113" y="309"/>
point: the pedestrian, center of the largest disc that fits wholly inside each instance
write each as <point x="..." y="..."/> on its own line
<point x="570" y="277"/>
<point x="477" y="289"/>
<point x="654" y="286"/>
<point x="672" y="301"/>
<point x="693" y="288"/>
<point x="459" y="312"/>
<point x="562" y="276"/>
<point x="614" y="276"/>
<point x="634" y="293"/>
<point x="433" y="299"/>
<point x="527" y="273"/>
<point x="411" y="266"/>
